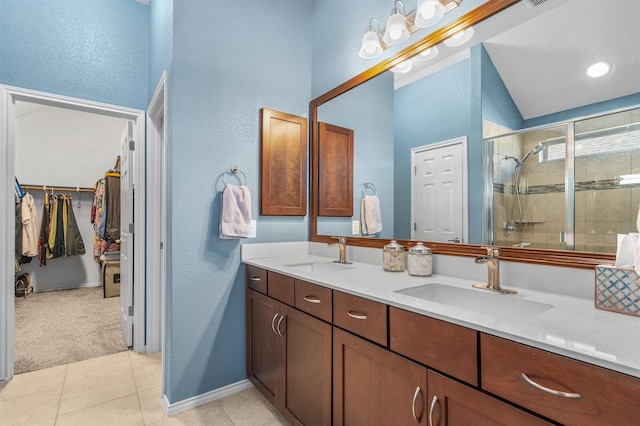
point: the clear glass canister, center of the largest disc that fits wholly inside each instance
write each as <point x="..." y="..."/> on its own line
<point x="393" y="257"/>
<point x="419" y="261"/>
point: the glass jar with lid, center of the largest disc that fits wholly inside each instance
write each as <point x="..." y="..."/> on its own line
<point x="419" y="261"/>
<point x="393" y="257"/>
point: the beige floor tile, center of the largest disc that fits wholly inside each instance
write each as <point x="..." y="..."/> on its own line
<point x="29" y="409"/>
<point x="205" y="415"/>
<point x="151" y="405"/>
<point x="123" y="411"/>
<point x="103" y="366"/>
<point x="50" y="379"/>
<point x="250" y="408"/>
<point x="148" y="376"/>
<point x="141" y="359"/>
<point x="97" y="390"/>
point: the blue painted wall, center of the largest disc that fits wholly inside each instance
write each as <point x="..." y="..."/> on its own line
<point x="497" y="105"/>
<point x="96" y="50"/>
<point x="597" y="108"/>
<point x="160" y="36"/>
<point x="221" y="75"/>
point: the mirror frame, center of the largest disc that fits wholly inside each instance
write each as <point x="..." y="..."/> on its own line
<point x="573" y="259"/>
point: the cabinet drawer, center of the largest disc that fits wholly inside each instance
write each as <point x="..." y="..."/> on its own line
<point x="314" y="299"/>
<point x="446" y="347"/>
<point x="563" y="389"/>
<point x="280" y="287"/>
<point x="256" y="278"/>
<point x="361" y="316"/>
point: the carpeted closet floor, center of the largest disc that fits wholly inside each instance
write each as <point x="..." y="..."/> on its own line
<point x="59" y="327"/>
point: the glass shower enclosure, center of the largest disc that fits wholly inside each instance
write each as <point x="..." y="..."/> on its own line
<point x="568" y="186"/>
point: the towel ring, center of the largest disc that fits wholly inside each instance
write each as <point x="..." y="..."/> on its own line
<point x="235" y="170"/>
<point x="368" y="185"/>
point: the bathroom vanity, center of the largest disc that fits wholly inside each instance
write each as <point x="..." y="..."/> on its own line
<point x="351" y="344"/>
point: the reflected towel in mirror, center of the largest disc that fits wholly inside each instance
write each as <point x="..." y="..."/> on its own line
<point x="370" y="219"/>
<point x="235" y="215"/>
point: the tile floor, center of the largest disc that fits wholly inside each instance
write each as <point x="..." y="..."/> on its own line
<point x="120" y="389"/>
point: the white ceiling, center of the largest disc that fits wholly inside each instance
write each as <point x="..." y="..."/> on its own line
<point x="541" y="53"/>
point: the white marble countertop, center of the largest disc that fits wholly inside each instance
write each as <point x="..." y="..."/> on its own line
<point x="568" y="325"/>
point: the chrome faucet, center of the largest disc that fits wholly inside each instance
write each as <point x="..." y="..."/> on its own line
<point x="492" y="259"/>
<point x="342" y="245"/>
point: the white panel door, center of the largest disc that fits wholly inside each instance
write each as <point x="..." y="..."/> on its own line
<point x="126" y="237"/>
<point x="438" y="193"/>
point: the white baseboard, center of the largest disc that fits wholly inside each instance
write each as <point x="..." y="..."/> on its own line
<point x="205" y="398"/>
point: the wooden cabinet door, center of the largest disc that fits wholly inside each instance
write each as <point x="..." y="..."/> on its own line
<point x="335" y="171"/>
<point x="454" y="404"/>
<point x="265" y="348"/>
<point x="307" y="396"/>
<point x="373" y="386"/>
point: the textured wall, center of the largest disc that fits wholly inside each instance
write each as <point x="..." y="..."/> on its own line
<point x="96" y="50"/>
<point x="160" y="40"/>
<point x="229" y="60"/>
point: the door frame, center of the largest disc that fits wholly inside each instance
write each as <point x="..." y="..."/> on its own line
<point x="156" y="219"/>
<point x="8" y="96"/>
<point x="462" y="140"/>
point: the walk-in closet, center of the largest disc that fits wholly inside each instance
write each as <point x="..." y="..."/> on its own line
<point x="68" y="212"/>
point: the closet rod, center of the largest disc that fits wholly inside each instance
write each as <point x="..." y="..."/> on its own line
<point x="57" y="188"/>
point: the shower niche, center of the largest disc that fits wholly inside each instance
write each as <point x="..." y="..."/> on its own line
<point x="568" y="186"/>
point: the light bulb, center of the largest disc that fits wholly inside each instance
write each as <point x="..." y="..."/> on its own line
<point x="395" y="34"/>
<point x="598" y="69"/>
<point x="428" y="11"/>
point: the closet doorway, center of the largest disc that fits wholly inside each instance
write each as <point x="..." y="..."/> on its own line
<point x="16" y="104"/>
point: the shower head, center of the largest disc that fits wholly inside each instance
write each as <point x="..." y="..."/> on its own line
<point x="534" y="151"/>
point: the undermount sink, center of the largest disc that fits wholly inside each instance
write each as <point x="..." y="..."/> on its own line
<point x="320" y="266"/>
<point x="493" y="304"/>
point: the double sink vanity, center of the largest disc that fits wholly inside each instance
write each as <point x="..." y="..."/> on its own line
<point x="331" y="343"/>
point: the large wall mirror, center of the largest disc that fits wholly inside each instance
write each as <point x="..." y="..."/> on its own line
<point x="523" y="69"/>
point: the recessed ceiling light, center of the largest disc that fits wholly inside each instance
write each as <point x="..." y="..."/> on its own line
<point x="598" y="69"/>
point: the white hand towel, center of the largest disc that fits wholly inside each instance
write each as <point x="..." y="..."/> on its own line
<point x="235" y="215"/>
<point x="636" y="250"/>
<point x="370" y="215"/>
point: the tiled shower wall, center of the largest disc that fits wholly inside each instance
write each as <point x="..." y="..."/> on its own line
<point x="603" y="207"/>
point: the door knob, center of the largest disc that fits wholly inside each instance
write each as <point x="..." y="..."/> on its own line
<point x="455" y="240"/>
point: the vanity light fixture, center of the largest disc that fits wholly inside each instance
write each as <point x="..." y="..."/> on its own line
<point x="401" y="25"/>
<point x="427" y="54"/>
<point x="371" y="47"/>
<point x="428" y="13"/>
<point x="598" y="69"/>
<point x="397" y="30"/>
<point x="459" y="38"/>
<point x="404" y="66"/>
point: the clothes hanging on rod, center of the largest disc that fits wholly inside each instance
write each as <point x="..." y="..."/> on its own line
<point x="59" y="233"/>
<point x="105" y="214"/>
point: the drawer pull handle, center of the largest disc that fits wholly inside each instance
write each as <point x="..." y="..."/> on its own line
<point x="311" y="299"/>
<point x="549" y="390"/>
<point x="413" y="404"/>
<point x="273" y="323"/>
<point x="255" y="278"/>
<point x="278" y="326"/>
<point x="434" y="401"/>
<point x="356" y="315"/>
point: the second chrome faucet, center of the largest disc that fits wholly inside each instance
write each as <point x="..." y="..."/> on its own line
<point x="492" y="259"/>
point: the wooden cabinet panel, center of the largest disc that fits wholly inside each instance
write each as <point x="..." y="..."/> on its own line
<point x="373" y="386"/>
<point x="454" y="404"/>
<point x="443" y="346"/>
<point x="593" y="395"/>
<point x="280" y="287"/>
<point x="335" y="171"/>
<point x="307" y="397"/>
<point x="264" y="347"/>
<point x="361" y="316"/>
<point x="314" y="299"/>
<point x="283" y="164"/>
<point x="256" y="278"/>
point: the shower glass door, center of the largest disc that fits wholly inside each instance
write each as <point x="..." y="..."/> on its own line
<point x="573" y="186"/>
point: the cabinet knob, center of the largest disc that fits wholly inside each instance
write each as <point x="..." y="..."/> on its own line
<point x="434" y="401"/>
<point x="413" y="404"/>
<point x="356" y="315"/>
<point x="571" y="395"/>
<point x="311" y="299"/>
